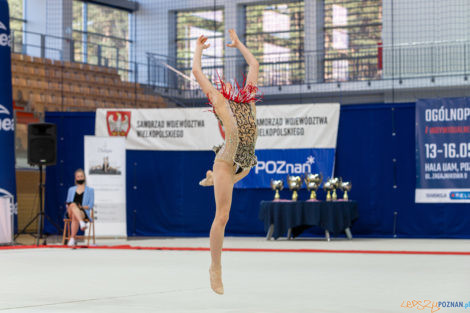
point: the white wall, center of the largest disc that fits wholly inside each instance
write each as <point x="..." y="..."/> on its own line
<point x="59" y="23"/>
<point x="34" y="13"/>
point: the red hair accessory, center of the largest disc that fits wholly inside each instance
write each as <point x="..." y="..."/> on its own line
<point x="237" y="94"/>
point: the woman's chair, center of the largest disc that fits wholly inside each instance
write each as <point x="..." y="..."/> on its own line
<point x="68" y="230"/>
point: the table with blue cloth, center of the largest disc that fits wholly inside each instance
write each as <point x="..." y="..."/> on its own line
<point x="291" y="218"/>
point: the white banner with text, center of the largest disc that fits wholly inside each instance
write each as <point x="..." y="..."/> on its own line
<point x="105" y="167"/>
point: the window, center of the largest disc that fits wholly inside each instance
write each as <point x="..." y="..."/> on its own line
<point x="101" y="35"/>
<point x="353" y="31"/>
<point x="190" y="25"/>
<point x="275" y="35"/>
<point x="16" y="24"/>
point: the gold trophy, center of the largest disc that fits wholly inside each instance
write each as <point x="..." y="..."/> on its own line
<point x="313" y="181"/>
<point x="277" y="185"/>
<point x="336" y="183"/>
<point x="328" y="186"/>
<point x="294" y="182"/>
<point x="345" y="187"/>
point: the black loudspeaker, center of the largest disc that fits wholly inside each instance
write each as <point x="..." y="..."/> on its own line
<point x="42" y="144"/>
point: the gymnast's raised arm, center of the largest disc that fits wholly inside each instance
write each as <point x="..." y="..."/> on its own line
<point x="252" y="77"/>
<point x="212" y="93"/>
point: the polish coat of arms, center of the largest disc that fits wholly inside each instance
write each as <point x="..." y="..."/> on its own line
<point x="119" y="123"/>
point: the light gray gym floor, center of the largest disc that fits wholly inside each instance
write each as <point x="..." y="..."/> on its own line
<point x="104" y="280"/>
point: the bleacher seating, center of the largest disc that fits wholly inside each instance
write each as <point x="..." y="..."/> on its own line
<point x="41" y="85"/>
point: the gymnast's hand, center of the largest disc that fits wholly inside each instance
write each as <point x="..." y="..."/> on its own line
<point x="200" y="43"/>
<point x="234" y="37"/>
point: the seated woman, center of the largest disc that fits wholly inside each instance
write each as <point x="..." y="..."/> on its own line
<point x="79" y="203"/>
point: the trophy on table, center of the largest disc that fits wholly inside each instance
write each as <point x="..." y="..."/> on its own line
<point x="330" y="186"/>
<point x="313" y="182"/>
<point x="277" y="185"/>
<point x="294" y="182"/>
<point x="345" y="187"/>
<point x="336" y="183"/>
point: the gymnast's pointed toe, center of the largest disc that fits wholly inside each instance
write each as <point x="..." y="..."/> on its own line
<point x="216" y="281"/>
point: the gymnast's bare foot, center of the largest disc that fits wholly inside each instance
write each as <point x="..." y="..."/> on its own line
<point x="208" y="181"/>
<point x="216" y="280"/>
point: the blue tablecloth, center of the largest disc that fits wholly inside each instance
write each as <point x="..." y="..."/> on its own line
<point x="334" y="216"/>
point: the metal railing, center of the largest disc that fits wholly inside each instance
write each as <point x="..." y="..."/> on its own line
<point x="318" y="67"/>
<point x="72" y="49"/>
<point x="427" y="60"/>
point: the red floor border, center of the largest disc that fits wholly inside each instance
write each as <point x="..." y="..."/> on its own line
<point x="128" y="247"/>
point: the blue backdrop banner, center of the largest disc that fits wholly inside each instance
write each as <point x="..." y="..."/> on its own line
<point x="7" y="123"/>
<point x="376" y="152"/>
<point x="443" y="150"/>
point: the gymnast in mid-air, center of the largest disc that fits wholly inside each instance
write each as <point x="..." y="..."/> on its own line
<point x="234" y="107"/>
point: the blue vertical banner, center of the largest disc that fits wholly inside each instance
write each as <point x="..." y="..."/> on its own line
<point x="443" y="150"/>
<point x="7" y="121"/>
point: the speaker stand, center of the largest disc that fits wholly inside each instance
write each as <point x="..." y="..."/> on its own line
<point x="40" y="216"/>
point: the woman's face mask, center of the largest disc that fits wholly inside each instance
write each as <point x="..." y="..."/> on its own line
<point x="79" y="178"/>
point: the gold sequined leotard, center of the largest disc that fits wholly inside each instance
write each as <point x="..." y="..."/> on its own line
<point x="240" y="135"/>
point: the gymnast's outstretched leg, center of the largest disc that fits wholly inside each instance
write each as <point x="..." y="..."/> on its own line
<point x="223" y="188"/>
